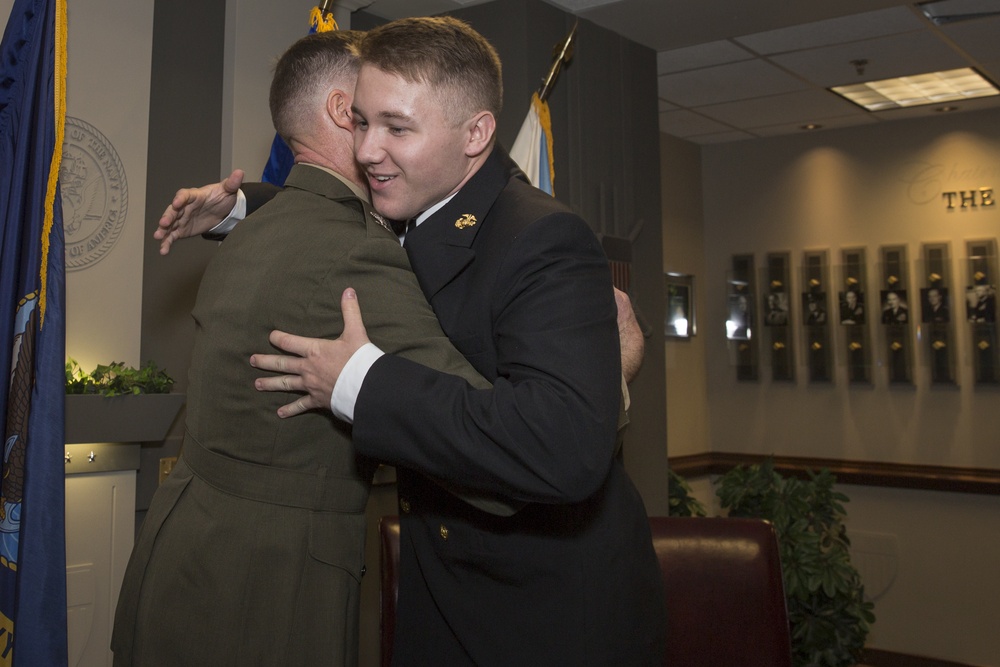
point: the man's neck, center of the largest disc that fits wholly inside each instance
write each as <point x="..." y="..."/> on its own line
<point x="336" y="159"/>
<point x="361" y="192"/>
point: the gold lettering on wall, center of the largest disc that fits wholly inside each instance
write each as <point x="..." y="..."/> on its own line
<point x="968" y="199"/>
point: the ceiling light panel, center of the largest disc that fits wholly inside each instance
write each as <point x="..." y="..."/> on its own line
<point x="909" y="91"/>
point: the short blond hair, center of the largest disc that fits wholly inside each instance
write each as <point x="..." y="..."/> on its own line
<point x="441" y="51"/>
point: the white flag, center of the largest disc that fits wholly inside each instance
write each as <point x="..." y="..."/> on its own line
<point x="532" y="150"/>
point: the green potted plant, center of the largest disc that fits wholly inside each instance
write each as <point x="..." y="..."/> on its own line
<point x="681" y="498"/>
<point x="827" y="612"/>
<point x="119" y="403"/>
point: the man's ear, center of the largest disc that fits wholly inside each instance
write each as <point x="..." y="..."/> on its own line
<point x="338" y="107"/>
<point x="481" y="130"/>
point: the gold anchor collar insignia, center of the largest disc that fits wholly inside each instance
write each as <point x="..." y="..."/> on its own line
<point x="467" y="220"/>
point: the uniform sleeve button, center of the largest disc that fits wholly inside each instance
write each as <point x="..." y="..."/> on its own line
<point x="404" y="505"/>
<point x="444" y="532"/>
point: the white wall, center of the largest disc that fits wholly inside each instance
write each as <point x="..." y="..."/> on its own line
<point x="835" y="190"/>
<point x="683" y="252"/>
<point x="104" y="158"/>
<point x="928" y="558"/>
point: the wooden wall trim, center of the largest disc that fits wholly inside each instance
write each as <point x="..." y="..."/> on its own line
<point x="985" y="481"/>
<point x="872" y="657"/>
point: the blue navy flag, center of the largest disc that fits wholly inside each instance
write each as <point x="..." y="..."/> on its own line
<point x="280" y="162"/>
<point x="32" y="336"/>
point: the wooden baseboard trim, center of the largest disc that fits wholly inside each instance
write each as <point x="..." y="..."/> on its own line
<point x="984" y="481"/>
<point x="872" y="657"/>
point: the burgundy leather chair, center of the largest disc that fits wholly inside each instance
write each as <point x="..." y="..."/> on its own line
<point x="724" y="594"/>
<point x="388" y="531"/>
<point x="722" y="585"/>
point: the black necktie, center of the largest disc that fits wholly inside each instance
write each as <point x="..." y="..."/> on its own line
<point x="411" y="224"/>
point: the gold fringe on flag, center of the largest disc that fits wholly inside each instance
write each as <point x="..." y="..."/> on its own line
<point x="59" y="119"/>
<point x="322" y="21"/>
<point x="545" y="119"/>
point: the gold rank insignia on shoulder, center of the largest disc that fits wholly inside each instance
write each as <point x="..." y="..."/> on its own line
<point x="467" y="220"/>
<point x="380" y="220"/>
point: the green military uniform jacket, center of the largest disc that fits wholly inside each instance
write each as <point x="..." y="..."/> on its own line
<point x="252" y="550"/>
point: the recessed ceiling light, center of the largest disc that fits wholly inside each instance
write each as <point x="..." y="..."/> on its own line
<point x="919" y="89"/>
<point x="811" y="126"/>
<point x="946" y="109"/>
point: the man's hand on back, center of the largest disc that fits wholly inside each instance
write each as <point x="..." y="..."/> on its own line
<point x="195" y="211"/>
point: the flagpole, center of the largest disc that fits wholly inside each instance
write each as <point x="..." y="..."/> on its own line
<point x="562" y="53"/>
<point x="532" y="148"/>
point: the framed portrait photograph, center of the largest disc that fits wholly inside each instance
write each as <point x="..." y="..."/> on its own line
<point x="981" y="304"/>
<point x="934" y="305"/>
<point x="739" y="323"/>
<point x="852" y="306"/>
<point x="813" y="308"/>
<point x="895" y="309"/>
<point x="776" y="309"/>
<point x="680" y="316"/>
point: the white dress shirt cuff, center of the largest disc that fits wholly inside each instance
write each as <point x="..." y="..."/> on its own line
<point x="238" y="213"/>
<point x="345" y="392"/>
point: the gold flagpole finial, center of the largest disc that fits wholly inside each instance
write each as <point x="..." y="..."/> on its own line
<point x="562" y="53"/>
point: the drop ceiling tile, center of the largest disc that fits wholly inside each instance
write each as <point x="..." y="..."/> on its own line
<point x="735" y="81"/>
<point x="990" y="69"/>
<point x="702" y="55"/>
<point x="827" y="124"/>
<point x="978" y="38"/>
<point x="582" y="5"/>
<point x="834" y="31"/>
<point x="897" y="55"/>
<point x="397" y="9"/>
<point x="801" y="107"/>
<point x="684" y="123"/>
<point x="719" y="138"/>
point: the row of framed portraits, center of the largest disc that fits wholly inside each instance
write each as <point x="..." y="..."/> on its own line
<point x="977" y="304"/>
<point x="889" y="296"/>
<point x="891" y="306"/>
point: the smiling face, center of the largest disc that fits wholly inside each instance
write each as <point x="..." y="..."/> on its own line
<point x="414" y="153"/>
